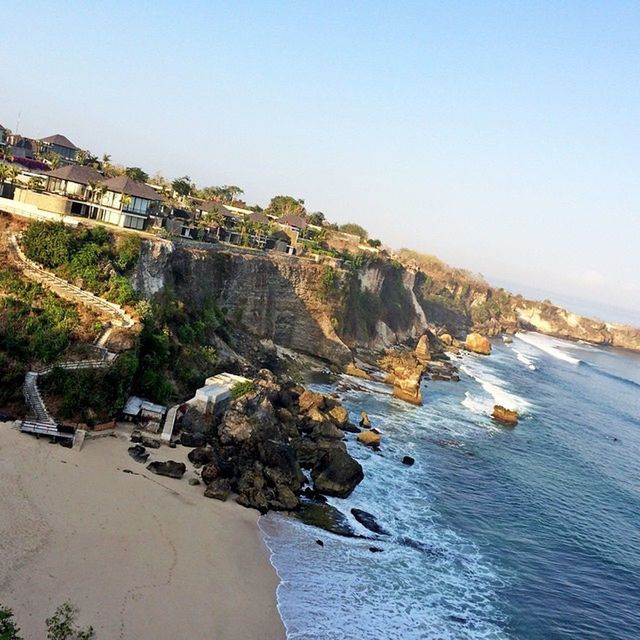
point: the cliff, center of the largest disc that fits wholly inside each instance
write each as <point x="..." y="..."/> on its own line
<point x="329" y="312"/>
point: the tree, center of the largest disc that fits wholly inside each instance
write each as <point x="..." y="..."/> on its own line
<point x="284" y="205"/>
<point x="226" y="193"/>
<point x="183" y="186"/>
<point x="137" y="174"/>
<point x="8" y="628"/>
<point x="53" y="159"/>
<point x="7" y="173"/>
<point x="6" y="153"/>
<point x="316" y="218"/>
<point x="62" y="625"/>
<point x="374" y="243"/>
<point x="35" y="184"/>
<point x="355" y="229"/>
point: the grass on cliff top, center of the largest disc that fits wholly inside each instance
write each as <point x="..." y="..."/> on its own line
<point x="89" y="258"/>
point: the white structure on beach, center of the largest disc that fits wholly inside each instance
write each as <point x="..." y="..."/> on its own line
<point x="211" y="398"/>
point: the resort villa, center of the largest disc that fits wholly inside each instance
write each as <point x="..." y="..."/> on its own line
<point x="124" y="202"/>
<point x="61" y="146"/>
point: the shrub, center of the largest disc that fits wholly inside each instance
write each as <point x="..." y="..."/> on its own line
<point x="242" y="388"/>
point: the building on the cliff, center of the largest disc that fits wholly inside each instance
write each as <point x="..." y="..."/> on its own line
<point x="214" y="396"/>
<point x="61" y="146"/>
<point x="293" y="225"/>
<point x="123" y="202"/>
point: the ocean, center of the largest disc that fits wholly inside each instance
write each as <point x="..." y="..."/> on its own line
<point x="530" y="533"/>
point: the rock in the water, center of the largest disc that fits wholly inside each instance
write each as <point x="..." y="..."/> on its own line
<point x="326" y="517"/>
<point x="507" y="339"/>
<point x="170" y="468"/>
<point x="369" y="438"/>
<point x="337" y="474"/>
<point x="369" y="521"/>
<point x="320" y="543"/>
<point x="218" y="489"/>
<point x="365" y="423"/>
<point x="405" y="371"/>
<point x="375" y="549"/>
<point x="422" y="349"/>
<point x="201" y="456"/>
<point x="478" y="344"/>
<point x="408" y="460"/>
<point x="505" y="416"/>
<point x="138" y="453"/>
<point x="194" y="482"/>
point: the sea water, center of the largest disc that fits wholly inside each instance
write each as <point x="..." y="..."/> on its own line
<point x="530" y="533"/>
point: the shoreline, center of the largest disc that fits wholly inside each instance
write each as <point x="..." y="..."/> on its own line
<point x="141" y="555"/>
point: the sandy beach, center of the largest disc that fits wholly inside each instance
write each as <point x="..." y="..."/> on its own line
<point x="141" y="555"/>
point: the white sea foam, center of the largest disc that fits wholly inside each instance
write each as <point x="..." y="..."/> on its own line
<point x="494" y="387"/>
<point x="547" y="345"/>
<point x="525" y="359"/>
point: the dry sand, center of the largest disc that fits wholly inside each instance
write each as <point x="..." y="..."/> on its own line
<point x="142" y="556"/>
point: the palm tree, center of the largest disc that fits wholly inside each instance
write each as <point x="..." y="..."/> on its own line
<point x="7" y="154"/>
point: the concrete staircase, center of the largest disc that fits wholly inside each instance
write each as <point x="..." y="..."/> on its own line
<point x="42" y="422"/>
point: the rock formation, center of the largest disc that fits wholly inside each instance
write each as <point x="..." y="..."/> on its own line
<point x="505" y="416"/>
<point x="405" y="371"/>
<point x="265" y="438"/>
<point x="477" y="344"/>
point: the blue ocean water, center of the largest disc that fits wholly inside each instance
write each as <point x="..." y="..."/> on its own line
<point x="530" y="533"/>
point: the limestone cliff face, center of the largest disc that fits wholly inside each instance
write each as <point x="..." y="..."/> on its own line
<point x="269" y="296"/>
<point x="328" y="312"/>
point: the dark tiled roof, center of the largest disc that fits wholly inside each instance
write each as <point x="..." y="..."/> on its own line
<point x="75" y="173"/>
<point x="293" y="220"/>
<point x="211" y="206"/>
<point x="60" y="140"/>
<point x="258" y="218"/>
<point x="124" y="184"/>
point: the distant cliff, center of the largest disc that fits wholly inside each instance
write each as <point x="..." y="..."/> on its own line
<point x="329" y="312"/>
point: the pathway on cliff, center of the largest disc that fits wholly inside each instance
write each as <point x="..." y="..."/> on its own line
<point x="43" y="423"/>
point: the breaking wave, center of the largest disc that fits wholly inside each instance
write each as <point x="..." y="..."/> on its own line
<point x="542" y="342"/>
<point x="526" y="360"/>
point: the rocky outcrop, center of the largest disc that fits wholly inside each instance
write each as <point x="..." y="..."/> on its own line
<point x="505" y="416"/>
<point x="422" y="351"/>
<point x="405" y="371"/>
<point x="265" y="438"/>
<point x="477" y="344"/>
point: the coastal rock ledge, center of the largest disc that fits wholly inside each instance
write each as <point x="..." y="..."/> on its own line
<point x="258" y="448"/>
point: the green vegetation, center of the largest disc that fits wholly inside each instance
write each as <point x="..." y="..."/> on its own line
<point x="284" y="205"/>
<point x="62" y="625"/>
<point x="355" y="230"/>
<point x="175" y="352"/>
<point x="137" y="174"/>
<point x="329" y="282"/>
<point x="35" y="327"/>
<point x="90" y="258"/>
<point x="9" y="630"/>
<point x="91" y="396"/>
<point x="242" y="388"/>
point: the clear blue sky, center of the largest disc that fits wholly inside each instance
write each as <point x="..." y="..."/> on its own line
<point x="501" y="136"/>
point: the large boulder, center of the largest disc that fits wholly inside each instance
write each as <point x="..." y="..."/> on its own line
<point x="338" y="415"/>
<point x="170" y="468"/>
<point x="201" y="456"/>
<point x="337" y="474"/>
<point x="505" y="416"/>
<point x="405" y="371"/>
<point x="369" y="438"/>
<point x="309" y="400"/>
<point x="477" y="344"/>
